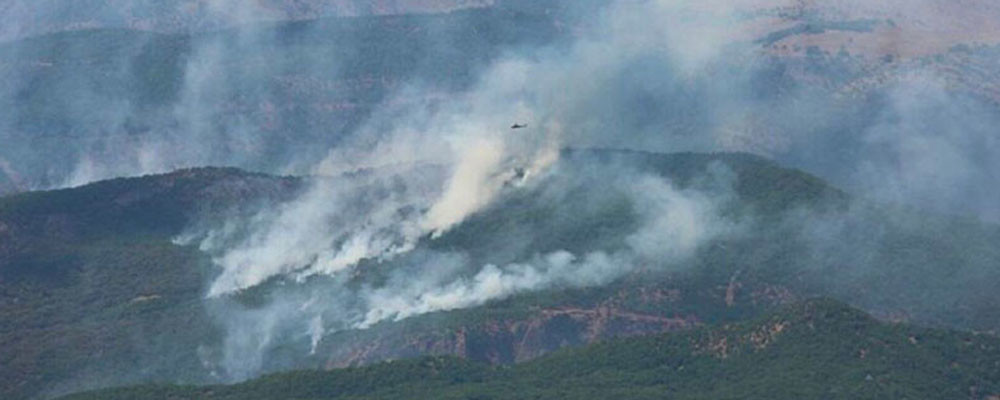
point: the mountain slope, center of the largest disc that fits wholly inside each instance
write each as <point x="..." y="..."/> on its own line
<point x="814" y="349"/>
<point x="96" y="294"/>
<point x="93" y="291"/>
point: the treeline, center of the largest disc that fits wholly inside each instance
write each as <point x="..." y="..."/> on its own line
<point x="816" y="349"/>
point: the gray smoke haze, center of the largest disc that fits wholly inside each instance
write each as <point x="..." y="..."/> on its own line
<point x="383" y="193"/>
<point x="393" y="175"/>
<point x="88" y="105"/>
<point x="222" y="72"/>
<point x="694" y="80"/>
<point x="35" y="17"/>
<point x="933" y="150"/>
<point x="656" y="75"/>
<point x="332" y="290"/>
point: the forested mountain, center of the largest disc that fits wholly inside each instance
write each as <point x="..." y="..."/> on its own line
<point x="499" y="199"/>
<point x="96" y="293"/>
<point x="813" y="349"/>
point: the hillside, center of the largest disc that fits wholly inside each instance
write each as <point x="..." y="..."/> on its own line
<point x="487" y="199"/>
<point x="94" y="104"/>
<point x="90" y="282"/>
<point x="96" y="293"/>
<point x="813" y="349"/>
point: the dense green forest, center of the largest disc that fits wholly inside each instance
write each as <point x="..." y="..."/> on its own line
<point x="95" y="293"/>
<point x="756" y="200"/>
<point x="818" y="349"/>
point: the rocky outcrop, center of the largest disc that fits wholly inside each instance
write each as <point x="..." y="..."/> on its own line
<point x="508" y="341"/>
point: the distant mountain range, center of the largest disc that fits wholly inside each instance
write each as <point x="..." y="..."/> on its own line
<point x="766" y="199"/>
<point x="22" y="18"/>
<point x="101" y="101"/>
<point x="101" y="95"/>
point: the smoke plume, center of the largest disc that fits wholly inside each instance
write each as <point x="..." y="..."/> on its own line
<point x="416" y="171"/>
<point x="406" y="145"/>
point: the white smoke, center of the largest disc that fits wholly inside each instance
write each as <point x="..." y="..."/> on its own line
<point x="416" y="172"/>
<point x="328" y="230"/>
<point x="490" y="283"/>
<point x="677" y="222"/>
<point x="673" y="223"/>
<point x="467" y="136"/>
<point x="338" y="223"/>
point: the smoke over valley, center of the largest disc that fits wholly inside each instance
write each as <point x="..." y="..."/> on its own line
<point x="493" y="180"/>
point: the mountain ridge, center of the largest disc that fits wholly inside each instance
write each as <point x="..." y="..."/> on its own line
<point x="119" y="289"/>
<point x="96" y="267"/>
